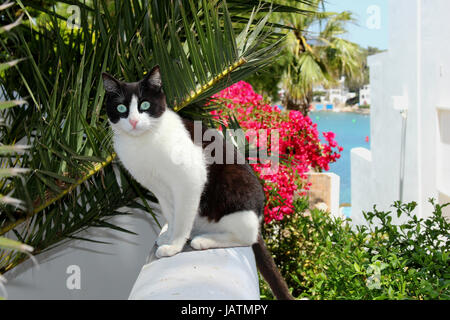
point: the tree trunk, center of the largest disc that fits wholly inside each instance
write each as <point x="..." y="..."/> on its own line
<point x="301" y="105"/>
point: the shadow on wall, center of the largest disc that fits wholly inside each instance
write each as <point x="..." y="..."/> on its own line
<point x="88" y="270"/>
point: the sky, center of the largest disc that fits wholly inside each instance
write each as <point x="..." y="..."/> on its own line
<point x="372" y="28"/>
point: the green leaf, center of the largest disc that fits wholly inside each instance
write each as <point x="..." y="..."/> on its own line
<point x="11" y="103"/>
<point x="7" y="65"/>
<point x="10" y="244"/>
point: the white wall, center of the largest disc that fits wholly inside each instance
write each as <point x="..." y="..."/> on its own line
<point x="120" y="270"/>
<point x="417" y="66"/>
<point x="361" y="160"/>
<point x="436" y="101"/>
<point x="107" y="271"/>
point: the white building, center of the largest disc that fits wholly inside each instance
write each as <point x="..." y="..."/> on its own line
<point x="415" y="70"/>
<point x="364" y="96"/>
<point x="336" y="95"/>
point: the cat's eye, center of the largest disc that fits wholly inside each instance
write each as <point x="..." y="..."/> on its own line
<point x="121" y="108"/>
<point x="145" y="105"/>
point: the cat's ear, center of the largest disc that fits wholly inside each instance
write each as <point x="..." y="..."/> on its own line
<point x="153" y="78"/>
<point x="110" y="84"/>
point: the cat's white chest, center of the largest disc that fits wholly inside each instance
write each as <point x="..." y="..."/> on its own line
<point x="159" y="158"/>
<point x="142" y="157"/>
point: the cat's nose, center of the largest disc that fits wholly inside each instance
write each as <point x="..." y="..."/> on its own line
<point x="133" y="123"/>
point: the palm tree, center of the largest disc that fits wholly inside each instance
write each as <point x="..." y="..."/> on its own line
<point x="74" y="181"/>
<point x="315" y="52"/>
<point x="321" y="59"/>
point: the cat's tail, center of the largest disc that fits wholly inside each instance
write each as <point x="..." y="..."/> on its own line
<point x="268" y="269"/>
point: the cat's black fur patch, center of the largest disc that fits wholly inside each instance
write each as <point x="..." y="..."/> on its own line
<point x="230" y="187"/>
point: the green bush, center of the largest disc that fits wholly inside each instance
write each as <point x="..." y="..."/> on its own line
<point x="322" y="257"/>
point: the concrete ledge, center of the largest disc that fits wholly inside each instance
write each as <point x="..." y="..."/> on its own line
<point x="215" y="274"/>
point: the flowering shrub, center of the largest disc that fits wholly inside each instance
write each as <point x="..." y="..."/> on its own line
<point x="326" y="258"/>
<point x="299" y="147"/>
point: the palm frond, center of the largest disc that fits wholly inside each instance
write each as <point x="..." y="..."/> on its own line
<point x="318" y="58"/>
<point x="9" y="170"/>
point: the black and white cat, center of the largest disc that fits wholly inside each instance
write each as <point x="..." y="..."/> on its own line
<point x="215" y="205"/>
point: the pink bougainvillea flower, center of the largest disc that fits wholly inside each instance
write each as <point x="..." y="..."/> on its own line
<point x="299" y="147"/>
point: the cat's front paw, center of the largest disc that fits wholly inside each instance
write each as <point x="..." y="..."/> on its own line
<point x="168" y="250"/>
<point x="202" y="243"/>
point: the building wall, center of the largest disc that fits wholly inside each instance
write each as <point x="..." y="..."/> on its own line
<point x="416" y="67"/>
<point x="362" y="193"/>
<point x="365" y="96"/>
<point x="436" y="101"/>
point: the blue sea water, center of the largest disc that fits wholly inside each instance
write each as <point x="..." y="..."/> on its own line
<point x="351" y="130"/>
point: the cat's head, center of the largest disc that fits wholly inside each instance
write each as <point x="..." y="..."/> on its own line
<point x="134" y="108"/>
